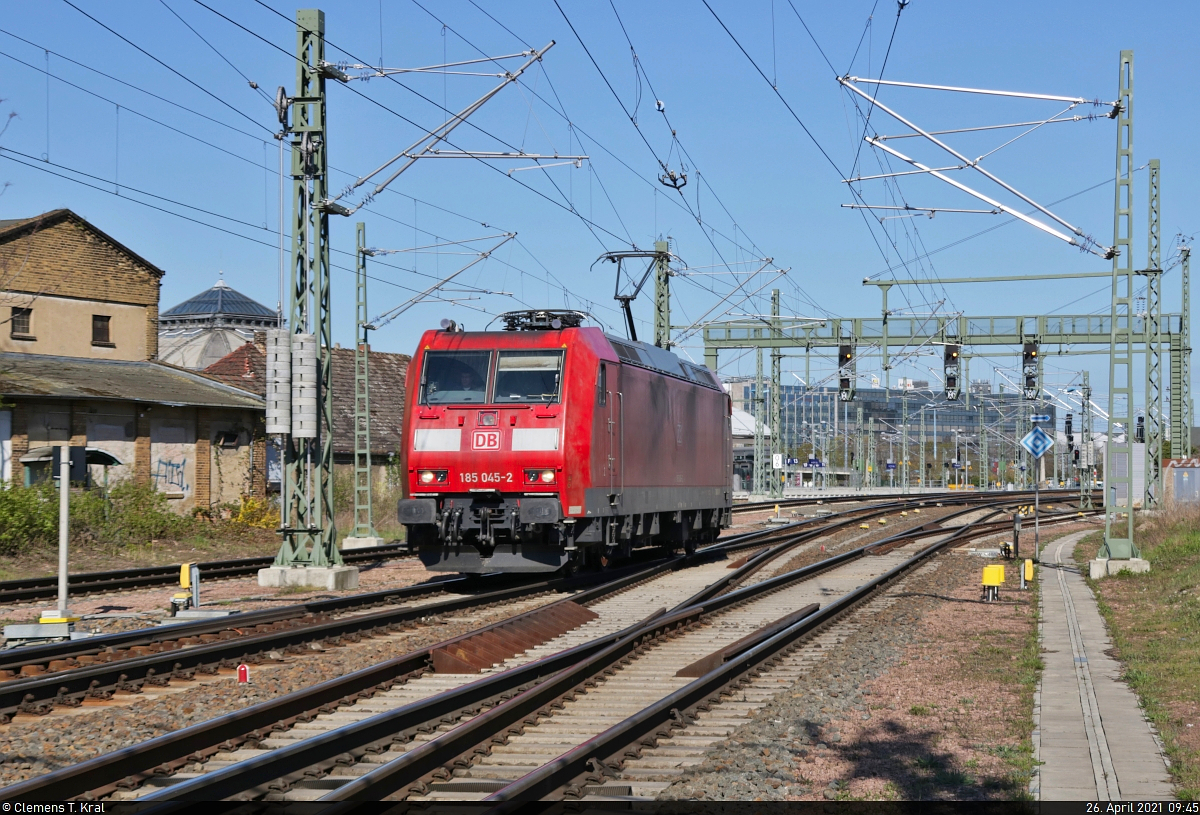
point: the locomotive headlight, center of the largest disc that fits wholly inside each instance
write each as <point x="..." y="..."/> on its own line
<point x="431" y="476"/>
<point x="539" y="476"/>
<point x="547" y="476"/>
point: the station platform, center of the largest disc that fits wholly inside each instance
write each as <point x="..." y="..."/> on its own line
<point x="1090" y="734"/>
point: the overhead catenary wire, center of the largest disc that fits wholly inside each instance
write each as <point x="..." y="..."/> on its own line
<point x="182" y="76"/>
<point x="631" y="116"/>
<point x="217" y="147"/>
<point x="568" y="207"/>
<point x="561" y="111"/>
<point x="249" y="81"/>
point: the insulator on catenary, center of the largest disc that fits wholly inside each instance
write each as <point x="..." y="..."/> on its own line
<point x="279" y="382"/>
<point x="304" y="386"/>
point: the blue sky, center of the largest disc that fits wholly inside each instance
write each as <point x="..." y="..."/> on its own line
<point x="761" y="185"/>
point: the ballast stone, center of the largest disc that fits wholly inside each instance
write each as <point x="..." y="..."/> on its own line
<point x="330" y="578"/>
<point x="1103" y="567"/>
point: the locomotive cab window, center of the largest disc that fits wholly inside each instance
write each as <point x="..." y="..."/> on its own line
<point x="602" y="386"/>
<point x="455" y="377"/>
<point x="528" y="376"/>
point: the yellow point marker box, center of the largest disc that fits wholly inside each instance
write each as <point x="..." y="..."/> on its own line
<point x="993" y="575"/>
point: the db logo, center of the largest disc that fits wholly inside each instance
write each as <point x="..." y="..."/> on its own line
<point x="486" y="440"/>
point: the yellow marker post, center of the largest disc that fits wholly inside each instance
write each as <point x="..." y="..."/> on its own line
<point x="1027" y="573"/>
<point x="189" y="581"/>
<point x="993" y="579"/>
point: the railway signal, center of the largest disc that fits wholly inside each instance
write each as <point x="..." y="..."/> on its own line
<point x="846" y="369"/>
<point x="951" y="363"/>
<point x="1029" y="369"/>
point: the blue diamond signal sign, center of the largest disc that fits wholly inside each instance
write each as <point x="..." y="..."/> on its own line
<point x="1037" y="442"/>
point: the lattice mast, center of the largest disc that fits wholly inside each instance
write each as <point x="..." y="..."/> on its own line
<point x="364" y="525"/>
<point x="777" y="445"/>
<point x="1154" y="337"/>
<point x="307" y="522"/>
<point x="1118" y="451"/>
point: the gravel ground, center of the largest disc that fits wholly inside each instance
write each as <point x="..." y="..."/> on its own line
<point x="930" y="699"/>
<point x="32" y="746"/>
<point x="124" y="611"/>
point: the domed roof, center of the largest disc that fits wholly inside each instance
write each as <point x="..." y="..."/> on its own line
<point x="220" y="300"/>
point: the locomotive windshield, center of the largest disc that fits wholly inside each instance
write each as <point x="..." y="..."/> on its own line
<point x="528" y="376"/>
<point x="455" y="377"/>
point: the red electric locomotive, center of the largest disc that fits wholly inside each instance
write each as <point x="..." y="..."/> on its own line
<point x="549" y="445"/>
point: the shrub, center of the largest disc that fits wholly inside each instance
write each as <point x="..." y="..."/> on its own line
<point x="28" y="517"/>
<point x="132" y="513"/>
<point x="258" y="513"/>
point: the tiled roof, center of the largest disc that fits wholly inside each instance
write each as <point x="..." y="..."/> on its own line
<point x="246" y="368"/>
<point x="222" y="300"/>
<point x="387" y="373"/>
<point x="139" y="381"/>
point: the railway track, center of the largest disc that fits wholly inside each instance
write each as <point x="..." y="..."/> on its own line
<point x="28" y="590"/>
<point x="31" y="589"/>
<point x="397" y="701"/>
<point x="930" y="497"/>
<point x="40" y="679"/>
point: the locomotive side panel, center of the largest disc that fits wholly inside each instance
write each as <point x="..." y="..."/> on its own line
<point x="668" y="434"/>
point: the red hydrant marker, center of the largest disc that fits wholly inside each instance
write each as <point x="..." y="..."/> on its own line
<point x="243" y="674"/>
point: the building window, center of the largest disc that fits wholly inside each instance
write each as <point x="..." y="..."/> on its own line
<point x="22" y="323"/>
<point x="100" y="330"/>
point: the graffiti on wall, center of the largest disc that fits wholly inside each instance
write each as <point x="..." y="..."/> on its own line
<point x="170" y="451"/>
<point x="170" y="475"/>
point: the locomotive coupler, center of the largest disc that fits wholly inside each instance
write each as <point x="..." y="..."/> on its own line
<point x="514" y="522"/>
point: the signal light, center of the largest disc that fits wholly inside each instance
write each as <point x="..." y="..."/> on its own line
<point x="1029" y="369"/>
<point x="1140" y="430"/>
<point x="950" y="359"/>
<point x="846" y="373"/>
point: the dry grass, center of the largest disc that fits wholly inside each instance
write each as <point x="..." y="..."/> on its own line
<point x="1154" y="621"/>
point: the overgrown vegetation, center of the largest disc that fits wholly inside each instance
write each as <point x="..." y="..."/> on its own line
<point x="28" y="516"/>
<point x="383" y="502"/>
<point x="129" y="514"/>
<point x="1154" y="621"/>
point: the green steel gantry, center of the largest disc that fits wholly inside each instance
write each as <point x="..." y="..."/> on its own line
<point x="1116" y="335"/>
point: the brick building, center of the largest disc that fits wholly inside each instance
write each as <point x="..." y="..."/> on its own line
<point x="79" y="367"/>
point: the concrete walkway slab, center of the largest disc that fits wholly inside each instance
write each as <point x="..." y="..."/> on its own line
<point x="1090" y="735"/>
